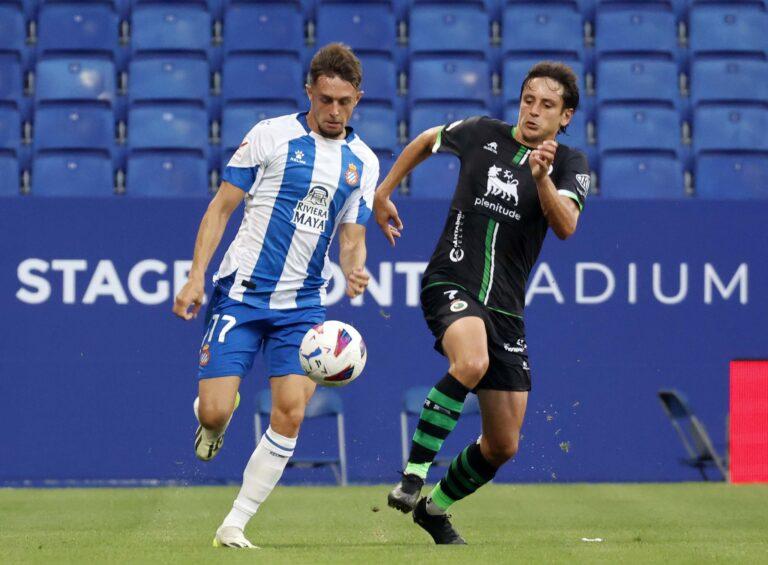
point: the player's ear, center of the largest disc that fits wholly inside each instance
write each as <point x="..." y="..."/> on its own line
<point x="358" y="96"/>
<point x="566" y="117"/>
<point x="308" y="90"/>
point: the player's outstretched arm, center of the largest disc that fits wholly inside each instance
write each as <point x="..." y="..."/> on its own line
<point x="561" y="212"/>
<point x="208" y="237"/>
<point x="352" y="254"/>
<point x="384" y="209"/>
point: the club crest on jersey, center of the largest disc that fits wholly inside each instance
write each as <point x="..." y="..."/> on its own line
<point x="584" y="182"/>
<point x="205" y="355"/>
<point x="311" y="213"/>
<point x="352" y="176"/>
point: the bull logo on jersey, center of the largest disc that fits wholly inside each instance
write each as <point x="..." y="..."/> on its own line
<point x="505" y="188"/>
<point x="352" y="176"/>
<point x="311" y="213"/>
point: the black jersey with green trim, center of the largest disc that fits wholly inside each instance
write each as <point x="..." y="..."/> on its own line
<point x="495" y="228"/>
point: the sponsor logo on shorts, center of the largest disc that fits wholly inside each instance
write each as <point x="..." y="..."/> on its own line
<point x="458" y="306"/>
<point x="205" y="355"/>
<point x="525" y="366"/>
<point x="518" y="347"/>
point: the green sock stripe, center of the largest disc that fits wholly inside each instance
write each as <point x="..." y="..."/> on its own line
<point x="467" y="467"/>
<point x="445" y="401"/>
<point x="459" y="474"/>
<point x="450" y="482"/>
<point x="438" y="419"/>
<point x="418" y="469"/>
<point x="428" y="441"/>
<point x="440" y="498"/>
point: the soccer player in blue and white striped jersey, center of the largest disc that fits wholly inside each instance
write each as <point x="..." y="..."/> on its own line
<point x="303" y="177"/>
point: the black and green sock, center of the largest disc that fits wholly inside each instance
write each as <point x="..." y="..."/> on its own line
<point x="441" y="411"/>
<point x="467" y="473"/>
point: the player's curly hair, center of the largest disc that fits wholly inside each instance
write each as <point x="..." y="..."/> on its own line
<point x="563" y="74"/>
<point x="336" y="59"/>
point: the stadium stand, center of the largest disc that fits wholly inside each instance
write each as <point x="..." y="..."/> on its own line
<point x="641" y="175"/>
<point x="364" y="26"/>
<point x="455" y="28"/>
<point x="263" y="27"/>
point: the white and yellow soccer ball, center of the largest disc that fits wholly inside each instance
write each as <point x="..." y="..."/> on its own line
<point x="333" y="353"/>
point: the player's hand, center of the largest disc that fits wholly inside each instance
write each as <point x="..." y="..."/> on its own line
<point x="189" y="300"/>
<point x="385" y="211"/>
<point x="357" y="281"/>
<point x="541" y="159"/>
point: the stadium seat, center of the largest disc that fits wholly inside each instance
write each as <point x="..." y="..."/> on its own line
<point x="635" y="28"/>
<point x="171" y="27"/>
<point x="75" y="79"/>
<point x="364" y="26"/>
<point x="729" y="80"/>
<point x="168" y="126"/>
<point x="678" y="7"/>
<point x="637" y="79"/>
<point x="168" y="78"/>
<point x="376" y="124"/>
<point x="274" y="77"/>
<point x="324" y="404"/>
<point x="739" y="175"/>
<point x="638" y="128"/>
<point x="11" y="80"/>
<point x="13" y="33"/>
<point x="451" y="27"/>
<point x="730" y="127"/>
<point x="449" y="78"/>
<point x="428" y="115"/>
<point x="9" y="174"/>
<point x="274" y="26"/>
<point x="72" y="174"/>
<point x="641" y="176"/>
<point x="72" y="126"/>
<point x="515" y="69"/>
<point x="379" y="78"/>
<point x="435" y="178"/>
<point x="82" y="28"/>
<point x="10" y="141"/>
<point x="413" y="402"/>
<point x="237" y="120"/>
<point x="554" y="30"/>
<point x="728" y="28"/>
<point x="166" y="174"/>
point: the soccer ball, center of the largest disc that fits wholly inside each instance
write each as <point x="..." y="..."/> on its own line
<point x="333" y="354"/>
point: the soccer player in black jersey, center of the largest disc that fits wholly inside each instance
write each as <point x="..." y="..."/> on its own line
<point x="515" y="182"/>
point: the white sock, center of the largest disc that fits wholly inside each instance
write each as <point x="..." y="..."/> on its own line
<point x="264" y="469"/>
<point x="433" y="509"/>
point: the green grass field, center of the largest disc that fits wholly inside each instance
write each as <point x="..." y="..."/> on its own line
<point x="672" y="523"/>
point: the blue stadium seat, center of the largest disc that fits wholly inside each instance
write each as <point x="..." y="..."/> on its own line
<point x="83" y="28"/>
<point x="678" y="7"/>
<point x="641" y="176"/>
<point x="75" y="79"/>
<point x="436" y="177"/>
<point x="364" y="26"/>
<point x="552" y="29"/>
<point x="741" y="175"/>
<point x="637" y="79"/>
<point x="72" y="126"/>
<point x="11" y="81"/>
<point x="376" y="124"/>
<point x="428" y="115"/>
<point x="718" y="127"/>
<point x="13" y="33"/>
<point x="166" y="174"/>
<point x="729" y="80"/>
<point x="450" y="78"/>
<point x="379" y="78"/>
<point x="633" y="28"/>
<point x="168" y="78"/>
<point x="237" y="120"/>
<point x="638" y="128"/>
<point x="515" y="69"/>
<point x="171" y="27"/>
<point x="728" y="28"/>
<point x="449" y="27"/>
<point x="274" y="26"/>
<point x="9" y="174"/>
<point x="27" y="7"/>
<point x="274" y="77"/>
<point x="72" y="174"/>
<point x="10" y="142"/>
<point x="168" y="126"/>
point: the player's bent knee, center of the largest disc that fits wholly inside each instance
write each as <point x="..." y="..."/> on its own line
<point x="287" y="421"/>
<point x="213" y="416"/>
<point x="470" y="370"/>
<point x="499" y="453"/>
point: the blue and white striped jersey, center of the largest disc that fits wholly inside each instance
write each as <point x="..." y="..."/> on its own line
<point x="301" y="187"/>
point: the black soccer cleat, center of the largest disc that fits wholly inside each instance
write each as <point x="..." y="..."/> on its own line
<point x="406" y="494"/>
<point x="439" y="527"/>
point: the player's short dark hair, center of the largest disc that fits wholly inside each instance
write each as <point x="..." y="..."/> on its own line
<point x="563" y="74"/>
<point x="336" y="60"/>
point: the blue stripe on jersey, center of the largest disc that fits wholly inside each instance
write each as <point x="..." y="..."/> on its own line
<point x="297" y="178"/>
<point x="363" y="212"/>
<point x="308" y="294"/>
<point x="241" y="177"/>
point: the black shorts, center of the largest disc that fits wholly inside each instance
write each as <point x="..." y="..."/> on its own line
<point x="508" y="367"/>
